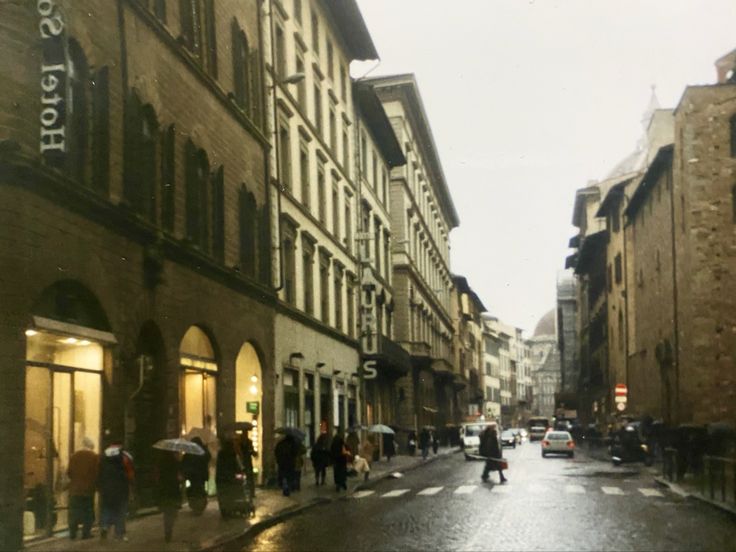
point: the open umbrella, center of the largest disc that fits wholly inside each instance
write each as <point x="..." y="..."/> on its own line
<point x="179" y="445"/>
<point x="295" y="432"/>
<point x="380" y="428"/>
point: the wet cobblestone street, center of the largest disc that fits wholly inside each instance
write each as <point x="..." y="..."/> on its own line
<point x="548" y="504"/>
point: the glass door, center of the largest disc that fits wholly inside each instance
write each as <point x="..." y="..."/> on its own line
<point x="38" y="460"/>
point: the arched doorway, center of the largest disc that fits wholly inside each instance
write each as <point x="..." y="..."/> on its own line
<point x="145" y="414"/>
<point x="249" y="397"/>
<point x="198" y="382"/>
<point x="67" y="348"/>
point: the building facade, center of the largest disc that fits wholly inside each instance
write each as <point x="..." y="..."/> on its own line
<point x="422" y="216"/>
<point x="567" y="339"/>
<point x="137" y="295"/>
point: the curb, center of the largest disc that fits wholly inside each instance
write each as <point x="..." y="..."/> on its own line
<point x="678" y="490"/>
<point x="234" y="542"/>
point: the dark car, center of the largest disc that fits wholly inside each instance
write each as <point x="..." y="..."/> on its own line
<point x="508" y="439"/>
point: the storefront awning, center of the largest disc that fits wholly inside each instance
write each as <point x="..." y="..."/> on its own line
<point x="65" y="328"/>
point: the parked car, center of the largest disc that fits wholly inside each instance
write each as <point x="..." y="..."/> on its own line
<point x="508" y="438"/>
<point x="558" y="442"/>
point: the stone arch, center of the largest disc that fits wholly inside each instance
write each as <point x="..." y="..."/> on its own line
<point x="249" y="394"/>
<point x="199" y="367"/>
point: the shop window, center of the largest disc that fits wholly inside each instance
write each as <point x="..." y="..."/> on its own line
<point x="248" y="224"/>
<point x="198" y="382"/>
<point x="249" y="398"/>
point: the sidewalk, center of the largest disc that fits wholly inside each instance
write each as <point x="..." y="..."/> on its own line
<point x="196" y="533"/>
<point x="691" y="489"/>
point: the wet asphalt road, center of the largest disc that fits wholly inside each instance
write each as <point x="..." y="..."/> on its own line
<point x="548" y="504"/>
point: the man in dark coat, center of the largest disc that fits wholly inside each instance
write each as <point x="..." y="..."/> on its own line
<point x="286" y="453"/>
<point x="168" y="489"/>
<point x="339" y="454"/>
<point x="490" y="448"/>
<point x="116" y="479"/>
<point x="195" y="468"/>
<point x="424" y="441"/>
<point x="320" y="456"/>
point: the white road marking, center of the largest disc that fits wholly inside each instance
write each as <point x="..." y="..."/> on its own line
<point x="650" y="492"/>
<point x="612" y="490"/>
<point x="574" y="489"/>
<point x="535" y="488"/>
<point x="503" y="489"/>
<point x="363" y="494"/>
<point x="394" y="493"/>
<point x="430" y="491"/>
<point x="465" y="489"/>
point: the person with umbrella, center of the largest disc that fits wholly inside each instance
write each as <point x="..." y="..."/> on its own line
<point x="286" y="453"/>
<point x="168" y="488"/>
<point x="116" y="479"/>
<point x="195" y="468"/>
<point x="340" y="457"/>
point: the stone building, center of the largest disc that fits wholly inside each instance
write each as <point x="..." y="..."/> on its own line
<point x="422" y="216"/>
<point x="567" y="337"/>
<point x="544" y="358"/>
<point x="491" y="376"/>
<point x="137" y="301"/>
<point x="312" y="122"/>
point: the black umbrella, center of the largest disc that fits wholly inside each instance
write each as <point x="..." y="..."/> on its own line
<point x="295" y="432"/>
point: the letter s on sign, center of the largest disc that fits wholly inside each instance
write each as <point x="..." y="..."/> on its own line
<point x="51" y="26"/>
<point x="369" y="369"/>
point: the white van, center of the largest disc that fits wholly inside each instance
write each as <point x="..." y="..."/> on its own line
<point x="470" y="436"/>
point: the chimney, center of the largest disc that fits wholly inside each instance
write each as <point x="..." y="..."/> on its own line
<point x="726" y="68"/>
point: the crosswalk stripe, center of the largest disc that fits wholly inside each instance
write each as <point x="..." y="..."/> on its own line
<point x="650" y="492"/>
<point x="465" y="489"/>
<point x="430" y="491"/>
<point x="363" y="494"/>
<point x="537" y="488"/>
<point x="612" y="490"/>
<point x="574" y="489"/>
<point x="394" y="493"/>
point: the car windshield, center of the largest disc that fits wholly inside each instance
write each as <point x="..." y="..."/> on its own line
<point x="473" y="430"/>
<point x="558" y="436"/>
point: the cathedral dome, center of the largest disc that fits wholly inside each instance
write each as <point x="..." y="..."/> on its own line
<point x="546" y="324"/>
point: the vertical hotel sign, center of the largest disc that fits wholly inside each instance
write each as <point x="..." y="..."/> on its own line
<point x="52" y="143"/>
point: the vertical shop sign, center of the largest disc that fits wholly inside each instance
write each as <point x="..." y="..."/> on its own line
<point x="52" y="143"/>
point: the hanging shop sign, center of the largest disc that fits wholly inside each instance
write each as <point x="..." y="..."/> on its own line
<point x="253" y="407"/>
<point x="52" y="143"/>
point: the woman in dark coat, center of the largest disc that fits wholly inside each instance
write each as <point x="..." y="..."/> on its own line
<point x="196" y="470"/>
<point x="169" y="490"/>
<point x="339" y="454"/>
<point x="490" y="448"/>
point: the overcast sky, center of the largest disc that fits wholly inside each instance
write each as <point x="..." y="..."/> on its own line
<point x="529" y="100"/>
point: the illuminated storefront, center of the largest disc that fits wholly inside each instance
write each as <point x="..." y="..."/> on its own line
<point x="198" y="383"/>
<point x="249" y="398"/>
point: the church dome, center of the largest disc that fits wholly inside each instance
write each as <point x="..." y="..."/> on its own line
<point x="546" y="324"/>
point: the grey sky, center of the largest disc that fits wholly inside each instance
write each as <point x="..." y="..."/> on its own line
<point x="528" y="100"/>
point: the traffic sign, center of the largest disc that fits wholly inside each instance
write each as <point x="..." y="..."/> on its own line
<point x="621" y="406"/>
<point x="621" y="390"/>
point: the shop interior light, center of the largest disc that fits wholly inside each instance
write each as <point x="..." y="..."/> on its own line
<point x="70" y="340"/>
<point x="85" y="342"/>
<point x="254" y="422"/>
<point x="31" y="333"/>
<point x="254" y="379"/>
<point x="253" y="390"/>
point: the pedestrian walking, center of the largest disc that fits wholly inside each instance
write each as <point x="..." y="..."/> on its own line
<point x="285" y="453"/>
<point x="340" y="457"/>
<point x="168" y="489"/>
<point x="389" y="446"/>
<point x="195" y="469"/>
<point x="435" y="443"/>
<point x="366" y="455"/>
<point x="83" y="470"/>
<point x="116" y="479"/>
<point x="300" y="452"/>
<point x="491" y="450"/>
<point x="412" y="443"/>
<point x="424" y="441"/>
<point x="247" y="453"/>
<point x="320" y="457"/>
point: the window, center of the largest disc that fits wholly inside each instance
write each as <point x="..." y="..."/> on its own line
<point x="77" y="113"/>
<point x="191" y="26"/>
<point x="330" y="60"/>
<point x="288" y="244"/>
<point x="609" y="279"/>
<point x="345" y="151"/>
<point x="321" y="194"/>
<point x="280" y="52"/>
<point x="348" y="224"/>
<point x="387" y="255"/>
<point x="733" y="203"/>
<point x="384" y="185"/>
<point x="343" y="82"/>
<point x="168" y="178"/>
<point x="318" y="108"/>
<point x="101" y="130"/>
<point x="315" y="34"/>
<point x="732" y="124"/>
<point x="324" y="286"/>
<point x="218" y="214"/>
<point x="210" y="36"/>
<point x="363" y="156"/>
<point x="159" y="10"/>
<point x="377" y="243"/>
<point x="335" y="212"/>
<point x="301" y="86"/>
<point x="139" y="176"/>
<point x="333" y="129"/>
<point x="351" y="305"/>
<point x="308" y="274"/>
<point x="241" y="76"/>
<point x="196" y="196"/>
<point x="304" y="175"/>
<point x="374" y="170"/>
<point x="618" y="268"/>
<point x="248" y="226"/>
<point x="284" y="156"/>
<point x="298" y="11"/>
<point x="338" y="297"/>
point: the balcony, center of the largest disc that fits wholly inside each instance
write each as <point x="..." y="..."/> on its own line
<point x="416" y="348"/>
